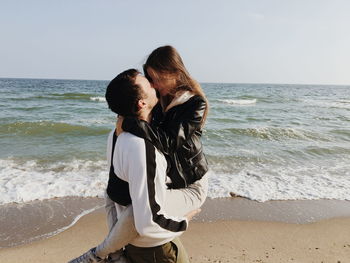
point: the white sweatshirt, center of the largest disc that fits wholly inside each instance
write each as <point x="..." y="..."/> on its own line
<point x="139" y="163"/>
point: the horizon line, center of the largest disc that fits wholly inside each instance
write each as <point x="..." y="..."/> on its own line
<point x="254" y="83"/>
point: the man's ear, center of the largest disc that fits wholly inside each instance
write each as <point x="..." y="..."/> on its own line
<point x="141" y="104"/>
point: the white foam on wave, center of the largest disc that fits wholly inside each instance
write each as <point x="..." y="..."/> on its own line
<point x="239" y="102"/>
<point x="24" y="182"/>
<point x="99" y="99"/>
<point x="284" y="183"/>
<point x="279" y="133"/>
<point x="106" y="120"/>
<point x="28" y="181"/>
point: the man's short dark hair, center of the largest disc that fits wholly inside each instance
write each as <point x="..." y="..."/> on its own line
<point x="123" y="94"/>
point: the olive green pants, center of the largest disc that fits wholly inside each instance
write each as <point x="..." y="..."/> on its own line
<point x="171" y="252"/>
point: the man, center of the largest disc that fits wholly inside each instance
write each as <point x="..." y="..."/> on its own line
<point x="140" y="164"/>
<point x="138" y="175"/>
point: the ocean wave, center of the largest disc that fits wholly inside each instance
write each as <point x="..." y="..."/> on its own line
<point x="330" y="151"/>
<point x="63" y="96"/>
<point x="69" y="96"/>
<point x="239" y="101"/>
<point x="46" y="128"/>
<point x="336" y="104"/>
<point x="342" y="133"/>
<point x="271" y="133"/>
<point x="24" y="181"/>
<point x="99" y="99"/>
<point x="293" y="182"/>
<point x="28" y="181"/>
<point x="29" y="109"/>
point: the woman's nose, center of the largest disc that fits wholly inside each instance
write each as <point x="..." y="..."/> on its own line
<point x="155" y="86"/>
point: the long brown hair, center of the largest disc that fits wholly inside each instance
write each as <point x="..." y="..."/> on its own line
<point x="166" y="60"/>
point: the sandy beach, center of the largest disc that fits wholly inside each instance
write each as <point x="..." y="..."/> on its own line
<point x="229" y="240"/>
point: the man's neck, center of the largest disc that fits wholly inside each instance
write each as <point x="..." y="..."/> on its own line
<point x="146" y="116"/>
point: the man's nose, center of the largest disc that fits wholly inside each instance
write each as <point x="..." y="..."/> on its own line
<point x="153" y="85"/>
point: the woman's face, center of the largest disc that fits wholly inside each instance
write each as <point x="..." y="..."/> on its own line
<point x="162" y="82"/>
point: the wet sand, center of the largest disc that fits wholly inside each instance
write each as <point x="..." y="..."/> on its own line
<point x="295" y="211"/>
<point x="31" y="221"/>
<point x="227" y="230"/>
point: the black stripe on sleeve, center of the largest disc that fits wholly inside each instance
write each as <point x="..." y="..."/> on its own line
<point x="163" y="222"/>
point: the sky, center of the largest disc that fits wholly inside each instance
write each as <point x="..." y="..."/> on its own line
<point x="231" y="41"/>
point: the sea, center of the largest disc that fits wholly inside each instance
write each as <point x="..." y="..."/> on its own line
<point x="262" y="141"/>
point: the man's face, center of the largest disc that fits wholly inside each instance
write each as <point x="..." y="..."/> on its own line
<point x="150" y="96"/>
<point x="163" y="82"/>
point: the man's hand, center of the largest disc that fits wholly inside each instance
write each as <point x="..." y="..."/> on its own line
<point x="119" y="124"/>
<point x="191" y="214"/>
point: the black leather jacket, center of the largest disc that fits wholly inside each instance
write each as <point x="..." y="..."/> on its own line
<point x="176" y="134"/>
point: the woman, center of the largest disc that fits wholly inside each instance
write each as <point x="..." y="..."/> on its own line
<point x="177" y="123"/>
<point x="176" y="129"/>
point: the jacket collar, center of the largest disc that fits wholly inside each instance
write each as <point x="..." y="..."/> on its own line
<point x="180" y="98"/>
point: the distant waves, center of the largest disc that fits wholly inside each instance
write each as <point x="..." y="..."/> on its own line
<point x="47" y="128"/>
<point x="262" y="141"/>
<point x="239" y="102"/>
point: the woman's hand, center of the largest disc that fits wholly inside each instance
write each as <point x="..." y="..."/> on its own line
<point x="191" y="214"/>
<point x="119" y="124"/>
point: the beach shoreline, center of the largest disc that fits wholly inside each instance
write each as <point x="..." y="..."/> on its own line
<point x="227" y="230"/>
<point x="28" y="222"/>
<point x="23" y="223"/>
<point x="218" y="241"/>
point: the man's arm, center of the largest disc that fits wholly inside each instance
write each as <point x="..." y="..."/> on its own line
<point x="147" y="190"/>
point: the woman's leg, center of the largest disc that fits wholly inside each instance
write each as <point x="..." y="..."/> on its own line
<point x="121" y="233"/>
<point x="181" y="201"/>
<point x="111" y="212"/>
